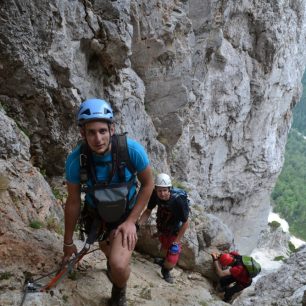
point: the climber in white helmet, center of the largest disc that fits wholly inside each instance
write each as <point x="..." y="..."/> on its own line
<point x="172" y="221"/>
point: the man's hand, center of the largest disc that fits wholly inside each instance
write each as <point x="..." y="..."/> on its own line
<point x="68" y="252"/>
<point x="129" y="235"/>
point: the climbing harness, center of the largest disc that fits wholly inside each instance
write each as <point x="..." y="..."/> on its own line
<point x="112" y="200"/>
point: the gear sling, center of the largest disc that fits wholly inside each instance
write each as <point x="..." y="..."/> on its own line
<point x="111" y="199"/>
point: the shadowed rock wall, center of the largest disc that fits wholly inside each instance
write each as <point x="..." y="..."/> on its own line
<point x="206" y="86"/>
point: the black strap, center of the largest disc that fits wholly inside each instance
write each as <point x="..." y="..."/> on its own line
<point x="121" y="156"/>
<point x="238" y="260"/>
<point x="94" y="230"/>
<point x="83" y="164"/>
<point x="120" y="161"/>
<point x="88" y="168"/>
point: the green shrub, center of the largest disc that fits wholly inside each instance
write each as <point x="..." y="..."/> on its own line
<point x="5" y="275"/>
<point x="274" y="225"/>
<point x="289" y="193"/>
<point x="43" y="172"/>
<point x="36" y="224"/>
<point x="58" y="194"/>
<point x="291" y="247"/>
<point x="179" y="185"/>
<point x="279" y="258"/>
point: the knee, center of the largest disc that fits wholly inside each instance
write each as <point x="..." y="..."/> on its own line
<point x="118" y="267"/>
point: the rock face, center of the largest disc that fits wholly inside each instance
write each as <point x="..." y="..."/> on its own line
<point x="210" y="100"/>
<point x="27" y="202"/>
<point x="206" y="86"/>
<point x="273" y="247"/>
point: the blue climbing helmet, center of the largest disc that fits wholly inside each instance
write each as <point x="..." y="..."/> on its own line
<point x="94" y="109"/>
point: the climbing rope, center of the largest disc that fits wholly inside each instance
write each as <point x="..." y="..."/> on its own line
<point x="32" y="286"/>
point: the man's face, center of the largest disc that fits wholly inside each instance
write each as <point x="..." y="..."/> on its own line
<point x="98" y="135"/>
<point x="163" y="193"/>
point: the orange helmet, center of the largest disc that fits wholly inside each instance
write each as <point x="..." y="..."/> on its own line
<point x="226" y="259"/>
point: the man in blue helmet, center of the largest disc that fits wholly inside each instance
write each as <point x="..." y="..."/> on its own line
<point x="116" y="204"/>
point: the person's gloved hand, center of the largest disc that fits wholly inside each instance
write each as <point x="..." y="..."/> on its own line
<point x="174" y="248"/>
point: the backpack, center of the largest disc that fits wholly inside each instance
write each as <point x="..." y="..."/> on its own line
<point x="111" y="199"/>
<point x="251" y="265"/>
<point x="177" y="192"/>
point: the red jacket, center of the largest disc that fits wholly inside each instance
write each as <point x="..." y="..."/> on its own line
<point x="240" y="273"/>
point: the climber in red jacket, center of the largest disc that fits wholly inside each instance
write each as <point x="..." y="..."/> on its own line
<point x="234" y="277"/>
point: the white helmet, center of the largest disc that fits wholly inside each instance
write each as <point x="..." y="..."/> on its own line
<point x="163" y="180"/>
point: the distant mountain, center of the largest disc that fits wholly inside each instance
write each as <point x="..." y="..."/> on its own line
<point x="299" y="112"/>
<point x="289" y="194"/>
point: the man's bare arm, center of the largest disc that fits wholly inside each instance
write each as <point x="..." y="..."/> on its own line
<point x="147" y="184"/>
<point x="219" y="270"/>
<point x="72" y="212"/>
<point x="181" y="232"/>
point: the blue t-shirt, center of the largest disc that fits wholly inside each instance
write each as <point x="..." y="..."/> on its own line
<point x="138" y="157"/>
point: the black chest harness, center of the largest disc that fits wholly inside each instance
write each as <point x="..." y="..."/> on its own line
<point x="170" y="214"/>
<point x="166" y="219"/>
<point x="111" y="199"/>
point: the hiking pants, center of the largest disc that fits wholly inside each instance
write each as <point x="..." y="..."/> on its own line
<point x="225" y="283"/>
<point x="166" y="242"/>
